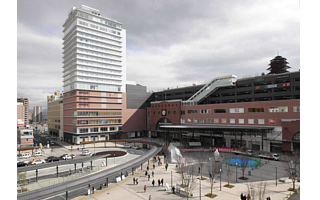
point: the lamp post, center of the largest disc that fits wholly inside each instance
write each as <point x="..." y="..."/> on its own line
<point x="200" y="187"/>
<point x="114" y="156"/>
<point x="220" y="178"/>
<point x="171" y="179"/>
<point x="94" y="145"/>
<point x="276" y="175"/>
<point x="236" y="173"/>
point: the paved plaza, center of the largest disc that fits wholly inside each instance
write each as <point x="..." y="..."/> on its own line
<point x="127" y="190"/>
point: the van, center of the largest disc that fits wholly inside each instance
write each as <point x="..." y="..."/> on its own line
<point x="38" y="153"/>
<point x="26" y="155"/>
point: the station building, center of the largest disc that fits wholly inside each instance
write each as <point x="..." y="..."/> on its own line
<point x="261" y="113"/>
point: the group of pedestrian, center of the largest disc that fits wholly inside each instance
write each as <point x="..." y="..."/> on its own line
<point x="244" y="197"/>
<point x="135" y="181"/>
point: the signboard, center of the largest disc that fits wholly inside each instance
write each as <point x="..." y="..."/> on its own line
<point x="259" y="79"/>
<point x="282" y="76"/>
<point x="194" y="144"/>
<point x="285" y="84"/>
<point x="163" y="112"/>
<point x="271" y="86"/>
<point x="236" y="110"/>
<point x="272" y="121"/>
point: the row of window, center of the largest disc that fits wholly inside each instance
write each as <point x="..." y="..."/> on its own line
<point x="164" y="105"/>
<point x="98" y="48"/>
<point x="224" y="121"/>
<point x="99" y="43"/>
<point x="97" y="33"/>
<point x="90" y="86"/>
<point x="97" y="129"/>
<point x="99" y="38"/>
<point x="96" y="113"/>
<point x="241" y="110"/>
<point x="98" y="59"/>
<point x="86" y="16"/>
<point x="98" y="54"/>
<point x="97" y="121"/>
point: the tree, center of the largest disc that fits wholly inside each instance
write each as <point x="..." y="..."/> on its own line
<point x="292" y="167"/>
<point x="211" y="165"/>
<point x="244" y="161"/>
<point x="189" y="178"/>
<point x="21" y="176"/>
<point x="229" y="169"/>
<point x="201" y="161"/>
<point x="257" y="191"/>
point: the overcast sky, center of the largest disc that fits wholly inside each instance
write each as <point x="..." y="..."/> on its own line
<point x="169" y="43"/>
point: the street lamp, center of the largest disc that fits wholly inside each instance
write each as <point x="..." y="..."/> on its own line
<point x="114" y="155"/>
<point x="220" y="178"/>
<point x="200" y="187"/>
<point x="276" y="175"/>
<point x="236" y="173"/>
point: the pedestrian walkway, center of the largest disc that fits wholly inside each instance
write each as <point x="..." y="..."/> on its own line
<point x="126" y="189"/>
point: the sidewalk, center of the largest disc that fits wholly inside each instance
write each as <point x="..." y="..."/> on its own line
<point x="127" y="190"/>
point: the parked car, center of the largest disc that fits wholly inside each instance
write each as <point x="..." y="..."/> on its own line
<point x="26" y="155"/>
<point x="21" y="164"/>
<point x="38" y="161"/>
<point x="72" y="156"/>
<point x="52" y="159"/>
<point x="38" y="153"/>
<point x="126" y="146"/>
<point x="51" y="142"/>
<point x="273" y="156"/>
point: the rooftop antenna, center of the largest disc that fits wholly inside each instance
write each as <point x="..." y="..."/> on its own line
<point x="277" y="53"/>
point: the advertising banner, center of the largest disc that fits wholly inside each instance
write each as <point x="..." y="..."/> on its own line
<point x="236" y="110"/>
<point x="271" y="86"/>
<point x="272" y="121"/>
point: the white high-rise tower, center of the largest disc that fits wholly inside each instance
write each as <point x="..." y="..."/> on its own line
<point x="94" y="75"/>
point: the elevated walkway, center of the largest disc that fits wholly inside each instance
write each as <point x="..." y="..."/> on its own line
<point x="210" y="88"/>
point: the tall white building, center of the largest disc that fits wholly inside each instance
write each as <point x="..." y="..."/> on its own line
<point x="94" y="74"/>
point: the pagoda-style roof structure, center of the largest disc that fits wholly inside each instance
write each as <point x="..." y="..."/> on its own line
<point x="278" y="65"/>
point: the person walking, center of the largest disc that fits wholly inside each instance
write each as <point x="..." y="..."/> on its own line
<point x="162" y="182"/>
<point x="153" y="182"/>
<point x="241" y="196"/>
<point x="137" y="181"/>
<point x="149" y="197"/>
<point x="145" y="188"/>
<point x="173" y="188"/>
<point x="146" y="173"/>
<point x="148" y="177"/>
<point x="244" y="197"/>
<point x="248" y="197"/>
<point x="147" y="168"/>
<point x="134" y="180"/>
<point x="152" y="174"/>
<point x="154" y="166"/>
<point x="158" y="182"/>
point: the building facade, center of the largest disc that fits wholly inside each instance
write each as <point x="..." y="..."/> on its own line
<point x="37" y="114"/>
<point x="25" y="103"/>
<point x="20" y="115"/>
<point x="25" y="137"/>
<point x="55" y="114"/>
<point x="94" y="75"/>
<point x="259" y="113"/>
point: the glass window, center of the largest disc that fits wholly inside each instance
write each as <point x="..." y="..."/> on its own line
<point x="250" y="121"/>
<point x="255" y="109"/>
<point x="220" y="111"/>
<point x="241" y="121"/>
<point x="232" y="121"/>
<point x="260" y="121"/>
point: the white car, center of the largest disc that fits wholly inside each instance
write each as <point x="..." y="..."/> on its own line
<point x="85" y="153"/>
<point x="38" y="161"/>
<point x="126" y="146"/>
<point x="72" y="156"/>
<point x="26" y="155"/>
<point x="38" y="153"/>
<point x="273" y="156"/>
<point x="66" y="157"/>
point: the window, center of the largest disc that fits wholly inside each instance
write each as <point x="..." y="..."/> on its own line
<point x="205" y="111"/>
<point x="182" y="120"/>
<point x="149" y="113"/>
<point x="296" y="108"/>
<point x="209" y="121"/>
<point x="103" y="129"/>
<point x="201" y="120"/>
<point x="241" y="121"/>
<point x="192" y="111"/>
<point x="232" y="121"/>
<point x="236" y="110"/>
<point x="183" y="112"/>
<point x="195" y="120"/>
<point x="220" y="111"/>
<point x="93" y="130"/>
<point x="250" y="121"/>
<point x="223" y="120"/>
<point x="255" y="109"/>
<point x="260" y="121"/>
<point x="216" y="120"/>
<point x="149" y="120"/>
<point x="278" y="109"/>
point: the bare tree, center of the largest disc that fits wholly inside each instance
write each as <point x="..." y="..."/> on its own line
<point x="229" y="170"/>
<point x="201" y="159"/>
<point x="244" y="161"/>
<point x="292" y="167"/>
<point x="211" y="165"/>
<point x="189" y="178"/>
<point x="257" y="191"/>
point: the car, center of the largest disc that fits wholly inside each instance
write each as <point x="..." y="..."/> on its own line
<point x="273" y="156"/>
<point x="85" y="153"/>
<point x="51" y="142"/>
<point x="65" y="157"/>
<point x="21" y="164"/>
<point x="38" y="153"/>
<point x="126" y="146"/>
<point x="38" y="161"/>
<point x="26" y="155"/>
<point x="52" y="159"/>
<point x="72" y="156"/>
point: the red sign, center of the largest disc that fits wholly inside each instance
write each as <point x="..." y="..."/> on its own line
<point x="272" y="121"/>
<point x="224" y="149"/>
<point x="288" y="84"/>
<point x="257" y="87"/>
<point x="285" y="84"/>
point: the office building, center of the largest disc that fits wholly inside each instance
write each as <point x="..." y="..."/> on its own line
<point x="25" y="103"/>
<point x="37" y="114"/>
<point x="55" y="114"/>
<point x="94" y="75"/>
